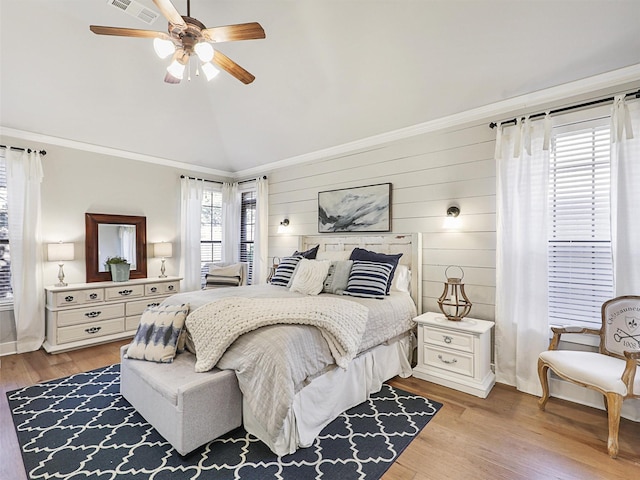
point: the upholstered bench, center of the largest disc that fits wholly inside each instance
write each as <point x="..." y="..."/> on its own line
<point x="187" y="408"/>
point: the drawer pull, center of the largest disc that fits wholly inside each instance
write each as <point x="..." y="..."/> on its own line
<point x="170" y="288"/>
<point x="153" y="304"/>
<point x="447" y="339"/>
<point x="92" y="330"/>
<point x="92" y="314"/>
<point x="93" y="296"/>
<point x="153" y="289"/>
<point x="454" y="360"/>
<point x="68" y="298"/>
<point x="125" y="292"/>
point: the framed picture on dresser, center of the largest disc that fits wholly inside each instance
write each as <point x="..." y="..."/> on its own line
<point x="356" y="209"/>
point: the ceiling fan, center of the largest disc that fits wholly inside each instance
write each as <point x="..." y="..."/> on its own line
<point x="188" y="36"/>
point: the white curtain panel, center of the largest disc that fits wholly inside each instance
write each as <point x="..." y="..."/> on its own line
<point x="24" y="177"/>
<point x="261" y="241"/>
<point x="230" y="222"/>
<point x="625" y="195"/>
<point x="522" y="165"/>
<point x="191" y="192"/>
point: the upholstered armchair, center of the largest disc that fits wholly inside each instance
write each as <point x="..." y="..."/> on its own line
<point x="612" y="370"/>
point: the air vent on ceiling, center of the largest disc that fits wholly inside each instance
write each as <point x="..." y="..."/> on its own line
<point x="135" y="9"/>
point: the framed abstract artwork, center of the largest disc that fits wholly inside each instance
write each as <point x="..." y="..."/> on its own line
<point x="358" y="209"/>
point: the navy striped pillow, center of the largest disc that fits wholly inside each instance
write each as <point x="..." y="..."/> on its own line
<point x="285" y="270"/>
<point x="368" y="279"/>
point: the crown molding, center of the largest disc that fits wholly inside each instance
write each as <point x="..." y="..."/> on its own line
<point x="88" y="147"/>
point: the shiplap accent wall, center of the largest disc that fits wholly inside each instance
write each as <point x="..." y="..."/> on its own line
<point x="428" y="173"/>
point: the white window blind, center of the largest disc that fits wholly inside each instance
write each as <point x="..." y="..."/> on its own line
<point x="248" y="230"/>
<point x="6" y="294"/>
<point x="580" y="262"/>
<point x="210" y="230"/>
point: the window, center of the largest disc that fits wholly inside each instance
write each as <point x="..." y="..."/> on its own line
<point x="580" y="259"/>
<point x="6" y="293"/>
<point x="247" y="230"/>
<point x="210" y="230"/>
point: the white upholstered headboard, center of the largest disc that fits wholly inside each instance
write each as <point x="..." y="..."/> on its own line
<point x="409" y="244"/>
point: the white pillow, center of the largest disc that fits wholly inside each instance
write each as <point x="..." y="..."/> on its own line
<point x="401" y="279"/>
<point x="334" y="256"/>
<point x="309" y="276"/>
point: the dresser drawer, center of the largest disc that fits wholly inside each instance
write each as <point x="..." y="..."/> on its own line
<point x="89" y="314"/>
<point x="448" y="338"/>
<point x="78" y="297"/>
<point x="138" y="306"/>
<point x="124" y="291"/>
<point x="450" y="360"/>
<point x="131" y="323"/>
<point x="161" y="288"/>
<point x="90" y="330"/>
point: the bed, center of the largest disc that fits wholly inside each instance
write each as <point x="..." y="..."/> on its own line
<point x="289" y="375"/>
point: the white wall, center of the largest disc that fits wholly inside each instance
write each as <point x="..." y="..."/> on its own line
<point x="429" y="172"/>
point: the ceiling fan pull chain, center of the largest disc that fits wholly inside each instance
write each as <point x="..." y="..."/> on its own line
<point x="189" y="73"/>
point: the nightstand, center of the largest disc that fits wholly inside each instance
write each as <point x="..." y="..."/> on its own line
<point x="455" y="354"/>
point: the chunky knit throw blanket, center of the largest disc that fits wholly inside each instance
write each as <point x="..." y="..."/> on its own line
<point x="216" y="325"/>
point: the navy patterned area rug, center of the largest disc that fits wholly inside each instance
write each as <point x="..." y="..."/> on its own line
<point x="80" y="427"/>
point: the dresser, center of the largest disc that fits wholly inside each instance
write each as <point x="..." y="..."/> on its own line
<point x="89" y="313"/>
<point x="455" y="354"/>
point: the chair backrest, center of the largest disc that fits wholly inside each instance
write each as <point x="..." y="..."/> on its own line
<point x="620" y="325"/>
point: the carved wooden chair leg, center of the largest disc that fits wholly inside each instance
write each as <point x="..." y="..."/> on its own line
<point x="606" y="404"/>
<point x="614" y="402"/>
<point x="543" y="370"/>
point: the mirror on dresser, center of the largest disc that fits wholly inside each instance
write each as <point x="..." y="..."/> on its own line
<point x="115" y="235"/>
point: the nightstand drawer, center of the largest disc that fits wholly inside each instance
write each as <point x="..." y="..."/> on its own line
<point x="89" y="314"/>
<point x="450" y="360"/>
<point x="124" y="291"/>
<point x="139" y="306"/>
<point x="448" y="338"/>
<point x="78" y="297"/>
<point x="90" y="330"/>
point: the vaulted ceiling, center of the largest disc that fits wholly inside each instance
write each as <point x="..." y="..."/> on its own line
<point x="328" y="73"/>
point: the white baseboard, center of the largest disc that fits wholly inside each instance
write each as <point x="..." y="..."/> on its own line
<point x="8" y="348"/>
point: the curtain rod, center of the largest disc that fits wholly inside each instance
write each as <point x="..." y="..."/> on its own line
<point x="28" y="150"/>
<point x="217" y="181"/>
<point x="566" y="109"/>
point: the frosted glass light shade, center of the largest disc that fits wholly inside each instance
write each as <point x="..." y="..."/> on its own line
<point x="162" y="249"/>
<point x="209" y="71"/>
<point x="59" y="252"/>
<point x="204" y="51"/>
<point x="163" y="47"/>
<point x="176" y="69"/>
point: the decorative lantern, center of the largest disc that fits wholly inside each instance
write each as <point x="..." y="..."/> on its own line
<point x="453" y="302"/>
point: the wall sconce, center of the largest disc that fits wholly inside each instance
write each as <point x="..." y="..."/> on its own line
<point x="163" y="250"/>
<point x="60" y="252"/>
<point x="284" y="226"/>
<point x="453" y="302"/>
<point x="452" y="221"/>
<point x="285" y="222"/>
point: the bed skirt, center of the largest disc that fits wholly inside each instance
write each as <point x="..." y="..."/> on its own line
<point x="334" y="392"/>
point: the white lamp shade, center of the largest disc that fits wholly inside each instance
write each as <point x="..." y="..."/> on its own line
<point x="58" y="252"/>
<point x="204" y="51"/>
<point x="163" y="47"/>
<point x="209" y="70"/>
<point x="162" y="249"/>
<point x="176" y="69"/>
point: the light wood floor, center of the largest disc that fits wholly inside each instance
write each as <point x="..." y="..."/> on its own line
<point x="504" y="436"/>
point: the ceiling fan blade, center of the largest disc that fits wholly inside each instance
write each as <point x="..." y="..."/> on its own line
<point x="170" y="12"/>
<point x="232" y="68"/>
<point x="232" y="33"/>
<point x="127" y="32"/>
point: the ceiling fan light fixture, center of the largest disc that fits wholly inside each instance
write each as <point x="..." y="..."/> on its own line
<point x="176" y="69"/>
<point x="204" y="51"/>
<point x="163" y="47"/>
<point x="209" y="71"/>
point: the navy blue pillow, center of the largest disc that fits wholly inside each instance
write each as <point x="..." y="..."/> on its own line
<point x="368" y="279"/>
<point x="285" y="270"/>
<point x="308" y="254"/>
<point x="369" y="256"/>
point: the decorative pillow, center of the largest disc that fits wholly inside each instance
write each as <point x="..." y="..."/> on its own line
<point x="310" y="254"/>
<point x="401" y="279"/>
<point x="334" y="256"/>
<point x="368" y="279"/>
<point x="310" y="276"/>
<point x="285" y="270"/>
<point x="158" y="332"/>
<point x="215" y="281"/>
<point x="367" y="255"/>
<point x="337" y="277"/>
